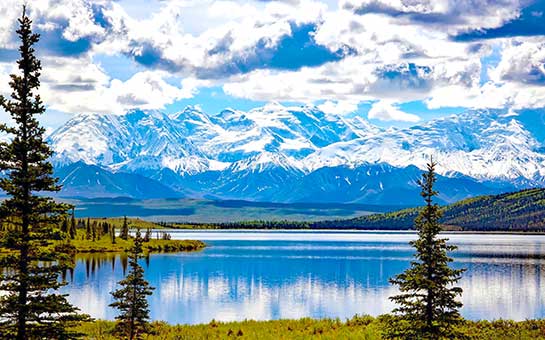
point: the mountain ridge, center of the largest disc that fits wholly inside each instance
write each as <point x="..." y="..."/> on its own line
<point x="290" y="154"/>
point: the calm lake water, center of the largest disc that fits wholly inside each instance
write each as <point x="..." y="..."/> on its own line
<point x="293" y="274"/>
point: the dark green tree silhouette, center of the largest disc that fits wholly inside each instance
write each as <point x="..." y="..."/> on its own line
<point x="88" y="229"/>
<point x="64" y="225"/>
<point x="112" y="233"/>
<point x="30" y="308"/>
<point x="147" y="235"/>
<point x="73" y="229"/>
<point x="427" y="307"/>
<point x="131" y="298"/>
<point x="124" y="232"/>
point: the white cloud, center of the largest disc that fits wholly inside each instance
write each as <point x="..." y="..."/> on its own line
<point x="522" y="62"/>
<point x="447" y="15"/>
<point x="147" y="90"/>
<point x="397" y="50"/>
<point x="233" y="31"/>
<point x="356" y="80"/>
<point x="75" y="85"/>
<point x="517" y="81"/>
<point x="387" y="111"/>
<point x="490" y="95"/>
<point x="338" y="107"/>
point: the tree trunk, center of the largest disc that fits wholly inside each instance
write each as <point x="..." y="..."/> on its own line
<point x="23" y="260"/>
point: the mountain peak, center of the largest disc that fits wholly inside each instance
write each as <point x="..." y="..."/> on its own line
<point x="189" y="112"/>
<point x="231" y="150"/>
<point x="273" y="106"/>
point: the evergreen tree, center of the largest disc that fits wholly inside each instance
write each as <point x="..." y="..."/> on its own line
<point x="73" y="231"/>
<point x="131" y="298"/>
<point x="88" y="229"/>
<point x="112" y="233"/>
<point x="427" y="305"/>
<point x="30" y="307"/>
<point x="124" y="233"/>
<point x="105" y="228"/>
<point x="147" y="235"/>
<point x="64" y="225"/>
<point x="94" y="230"/>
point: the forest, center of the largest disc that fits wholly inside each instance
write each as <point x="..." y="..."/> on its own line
<point x="521" y="211"/>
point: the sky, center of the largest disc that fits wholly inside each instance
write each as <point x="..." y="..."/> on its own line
<point x="394" y="62"/>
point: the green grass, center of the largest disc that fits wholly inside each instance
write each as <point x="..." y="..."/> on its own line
<point x="359" y="327"/>
<point x="104" y="245"/>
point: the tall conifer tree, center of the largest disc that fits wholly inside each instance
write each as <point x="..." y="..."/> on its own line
<point x="88" y="229"/>
<point x="131" y="298"/>
<point x="427" y="305"/>
<point x="73" y="230"/>
<point x="30" y="307"/>
<point x="124" y="232"/>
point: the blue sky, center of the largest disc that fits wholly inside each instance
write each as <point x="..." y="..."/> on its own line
<point x="395" y="63"/>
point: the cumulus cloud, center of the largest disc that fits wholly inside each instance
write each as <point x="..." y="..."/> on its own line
<point x="354" y="79"/>
<point x="249" y="37"/>
<point x="74" y="85"/>
<point x="295" y="50"/>
<point x="522" y="62"/>
<point x="525" y="22"/>
<point x="386" y="111"/>
<point x="450" y="15"/>
<point x="338" y="107"/>
<point x="517" y="81"/>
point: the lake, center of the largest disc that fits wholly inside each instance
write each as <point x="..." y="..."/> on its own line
<point x="291" y="274"/>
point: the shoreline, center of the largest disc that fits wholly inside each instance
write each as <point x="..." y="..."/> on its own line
<point x="357" y="327"/>
<point x="356" y="230"/>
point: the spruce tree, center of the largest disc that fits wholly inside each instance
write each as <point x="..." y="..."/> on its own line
<point x="124" y="232"/>
<point x="427" y="306"/>
<point x="64" y="225"/>
<point x="131" y="298"/>
<point x="112" y="233"/>
<point x="94" y="230"/>
<point x="88" y="229"/>
<point x="147" y="235"/>
<point x="73" y="230"/>
<point x="30" y="307"/>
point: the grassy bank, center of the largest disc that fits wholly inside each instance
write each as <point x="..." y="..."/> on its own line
<point x="104" y="244"/>
<point x="359" y="327"/>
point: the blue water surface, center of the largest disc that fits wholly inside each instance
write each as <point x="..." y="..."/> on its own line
<point x="291" y="274"/>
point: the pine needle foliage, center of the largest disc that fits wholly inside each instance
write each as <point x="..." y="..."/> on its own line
<point x="30" y="307"/>
<point x="427" y="306"/>
<point x="131" y="298"/>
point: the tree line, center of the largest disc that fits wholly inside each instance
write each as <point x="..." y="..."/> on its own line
<point x="516" y="211"/>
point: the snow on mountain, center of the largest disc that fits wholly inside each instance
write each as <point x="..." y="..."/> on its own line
<point x="291" y="131"/>
<point x="300" y="153"/>
<point x="481" y="144"/>
<point x="138" y="139"/>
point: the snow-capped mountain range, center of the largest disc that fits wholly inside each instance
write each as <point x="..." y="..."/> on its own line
<point x="288" y="154"/>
